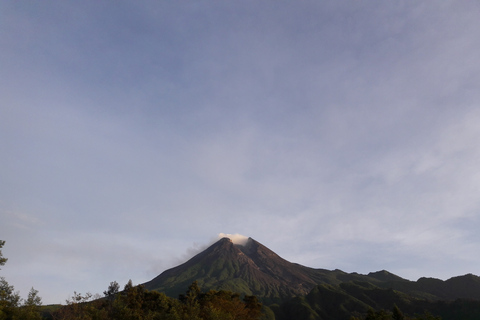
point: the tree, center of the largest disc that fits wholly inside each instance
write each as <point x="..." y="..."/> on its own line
<point x="253" y="306"/>
<point x="218" y="305"/>
<point x="192" y="295"/>
<point x="128" y="286"/>
<point x="138" y="303"/>
<point x="2" y="259"/>
<point x="33" y="298"/>
<point x="31" y="307"/>
<point x="112" y="290"/>
<point x="9" y="300"/>
<point x="397" y="314"/>
<point x="191" y="302"/>
<point x="81" y="307"/>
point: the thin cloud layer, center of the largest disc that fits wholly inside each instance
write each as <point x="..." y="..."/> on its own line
<point x="339" y="135"/>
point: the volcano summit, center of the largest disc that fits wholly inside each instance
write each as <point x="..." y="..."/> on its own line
<point x="251" y="269"/>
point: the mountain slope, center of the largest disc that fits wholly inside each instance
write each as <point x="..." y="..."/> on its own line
<point x="326" y="302"/>
<point x="252" y="269"/>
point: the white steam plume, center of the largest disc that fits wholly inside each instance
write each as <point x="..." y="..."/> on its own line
<point x="236" y="238"/>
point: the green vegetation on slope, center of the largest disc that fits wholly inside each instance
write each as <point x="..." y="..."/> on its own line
<point x="361" y="300"/>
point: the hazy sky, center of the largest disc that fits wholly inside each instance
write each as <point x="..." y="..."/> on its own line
<point x="340" y="134"/>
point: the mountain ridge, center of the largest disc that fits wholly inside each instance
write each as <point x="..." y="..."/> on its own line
<point x="254" y="269"/>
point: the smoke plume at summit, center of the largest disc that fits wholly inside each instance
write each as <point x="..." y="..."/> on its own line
<point x="236" y="238"/>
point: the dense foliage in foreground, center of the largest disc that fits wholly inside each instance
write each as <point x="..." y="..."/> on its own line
<point x="135" y="302"/>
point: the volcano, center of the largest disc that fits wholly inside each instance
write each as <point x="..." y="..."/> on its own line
<point x="251" y="269"/>
<point x="254" y="269"/>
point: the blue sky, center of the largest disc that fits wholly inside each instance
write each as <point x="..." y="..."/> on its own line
<point x="340" y="134"/>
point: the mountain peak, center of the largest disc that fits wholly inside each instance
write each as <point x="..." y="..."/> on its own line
<point x="250" y="268"/>
<point x="235" y="238"/>
<point x="384" y="275"/>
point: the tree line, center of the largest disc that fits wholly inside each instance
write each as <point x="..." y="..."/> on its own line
<point x="132" y="303"/>
<point x="11" y="305"/>
<point x="136" y="302"/>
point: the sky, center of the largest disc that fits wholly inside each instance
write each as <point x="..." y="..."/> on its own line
<point x="339" y="134"/>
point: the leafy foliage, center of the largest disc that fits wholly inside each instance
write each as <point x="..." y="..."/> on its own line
<point x="9" y="300"/>
<point x="11" y="306"/>
<point x="112" y="290"/>
<point x="31" y="307"/>
<point x="136" y="302"/>
<point x="2" y="259"/>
